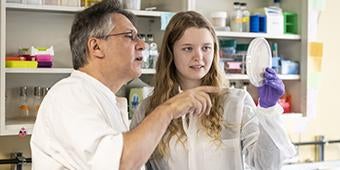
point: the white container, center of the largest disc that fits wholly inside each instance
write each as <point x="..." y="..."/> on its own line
<point x="219" y="18"/>
<point x="132" y="4"/>
<point x="274" y="18"/>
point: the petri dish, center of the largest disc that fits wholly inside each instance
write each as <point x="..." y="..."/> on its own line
<point x="259" y="57"/>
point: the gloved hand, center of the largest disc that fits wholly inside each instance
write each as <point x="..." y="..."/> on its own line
<point x="271" y="90"/>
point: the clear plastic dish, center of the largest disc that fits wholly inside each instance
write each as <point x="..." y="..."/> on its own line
<point x="259" y="57"/>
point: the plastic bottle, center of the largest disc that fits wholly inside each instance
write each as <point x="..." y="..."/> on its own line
<point x="245" y="17"/>
<point x="153" y="51"/>
<point x="276" y="58"/>
<point x="236" y="18"/>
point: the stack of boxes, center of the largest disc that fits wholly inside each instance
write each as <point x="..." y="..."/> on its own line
<point x="31" y="58"/>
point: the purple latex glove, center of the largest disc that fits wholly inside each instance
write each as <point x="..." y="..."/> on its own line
<point x="271" y="90"/>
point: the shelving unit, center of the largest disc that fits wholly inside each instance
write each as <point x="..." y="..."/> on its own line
<point x="53" y="22"/>
<point x="245" y="77"/>
<point x="70" y="9"/>
<point x="255" y="35"/>
<point x="291" y="46"/>
<point x="56" y="71"/>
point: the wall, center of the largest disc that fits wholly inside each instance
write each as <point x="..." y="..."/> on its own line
<point x="327" y="120"/>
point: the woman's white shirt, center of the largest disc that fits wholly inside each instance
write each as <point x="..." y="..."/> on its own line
<point x="253" y="137"/>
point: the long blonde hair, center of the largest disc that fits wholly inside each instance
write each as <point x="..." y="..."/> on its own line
<point x="167" y="82"/>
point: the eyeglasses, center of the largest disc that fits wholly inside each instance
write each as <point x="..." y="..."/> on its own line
<point x="130" y="34"/>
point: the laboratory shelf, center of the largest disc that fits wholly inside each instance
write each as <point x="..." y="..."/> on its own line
<point x="52" y="8"/>
<point x="13" y="128"/>
<point x="70" y="9"/>
<point x="56" y="70"/>
<point x="245" y="77"/>
<point x="255" y="35"/>
<point x="39" y="70"/>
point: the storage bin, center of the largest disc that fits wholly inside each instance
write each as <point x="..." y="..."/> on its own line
<point x="290" y="23"/>
<point x="21" y="64"/>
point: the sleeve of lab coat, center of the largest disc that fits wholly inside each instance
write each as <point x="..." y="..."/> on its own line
<point x="265" y="143"/>
<point x="84" y="131"/>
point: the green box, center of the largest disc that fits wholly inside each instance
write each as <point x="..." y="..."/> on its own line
<point x="290" y="23"/>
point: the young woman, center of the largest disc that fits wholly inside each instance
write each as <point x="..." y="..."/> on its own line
<point x="236" y="132"/>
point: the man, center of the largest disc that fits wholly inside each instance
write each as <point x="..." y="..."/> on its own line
<point x="79" y="124"/>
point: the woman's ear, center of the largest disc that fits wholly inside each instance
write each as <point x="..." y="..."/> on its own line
<point x="95" y="48"/>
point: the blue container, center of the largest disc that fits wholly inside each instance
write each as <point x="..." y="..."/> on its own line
<point x="263" y="23"/>
<point x="254" y="23"/>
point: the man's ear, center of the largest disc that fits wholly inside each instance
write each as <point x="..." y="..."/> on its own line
<point x="95" y="47"/>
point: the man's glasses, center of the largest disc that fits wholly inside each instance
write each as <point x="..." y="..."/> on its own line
<point x="130" y="34"/>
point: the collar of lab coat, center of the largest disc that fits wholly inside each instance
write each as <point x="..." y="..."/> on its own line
<point x="95" y="82"/>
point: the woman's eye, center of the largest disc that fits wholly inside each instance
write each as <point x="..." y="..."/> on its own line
<point x="206" y="48"/>
<point x="187" y="49"/>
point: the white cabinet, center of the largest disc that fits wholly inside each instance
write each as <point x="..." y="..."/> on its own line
<point x="24" y="25"/>
<point x="27" y="25"/>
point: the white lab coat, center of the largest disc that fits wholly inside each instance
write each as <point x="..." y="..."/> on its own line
<point x="255" y="137"/>
<point x="79" y="126"/>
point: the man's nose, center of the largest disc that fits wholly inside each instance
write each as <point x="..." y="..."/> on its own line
<point x="140" y="45"/>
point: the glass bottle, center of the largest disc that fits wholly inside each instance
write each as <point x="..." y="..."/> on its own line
<point x="245" y="17"/>
<point x="245" y="85"/>
<point x="153" y="51"/>
<point x="145" y="52"/>
<point x="232" y="85"/>
<point x="37" y="98"/>
<point x="23" y="106"/>
<point x="236" y="18"/>
<point x="44" y="91"/>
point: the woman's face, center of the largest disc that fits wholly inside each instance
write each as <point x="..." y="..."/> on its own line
<point x="193" y="55"/>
